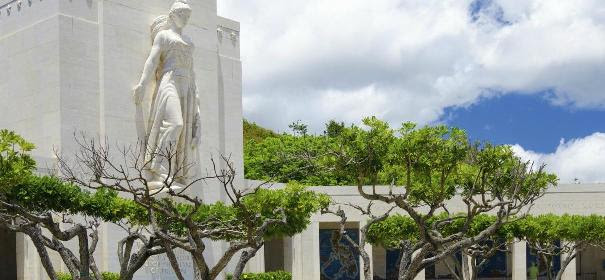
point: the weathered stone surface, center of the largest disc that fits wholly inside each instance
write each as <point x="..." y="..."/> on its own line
<point x="70" y="66"/>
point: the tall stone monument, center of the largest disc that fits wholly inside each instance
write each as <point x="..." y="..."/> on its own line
<point x="70" y="66"/>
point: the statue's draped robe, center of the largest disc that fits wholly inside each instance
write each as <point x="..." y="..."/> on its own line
<point x="171" y="111"/>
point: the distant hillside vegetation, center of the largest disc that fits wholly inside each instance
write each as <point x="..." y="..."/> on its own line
<point x="286" y="157"/>
<point x="253" y="131"/>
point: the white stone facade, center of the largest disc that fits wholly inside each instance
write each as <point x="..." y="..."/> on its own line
<point x="69" y="66"/>
<point x="302" y="256"/>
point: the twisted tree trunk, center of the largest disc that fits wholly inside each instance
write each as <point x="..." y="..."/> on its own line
<point x="405" y="253"/>
<point x="35" y="234"/>
<point x="84" y="255"/>
<point x="244" y="258"/>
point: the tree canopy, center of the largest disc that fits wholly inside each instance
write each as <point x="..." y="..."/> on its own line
<point x="297" y="156"/>
<point x="15" y="162"/>
<point x="548" y="236"/>
<point x="548" y="228"/>
<point x="30" y="202"/>
<point x="433" y="165"/>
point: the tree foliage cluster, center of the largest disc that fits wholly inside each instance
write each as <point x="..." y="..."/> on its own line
<point x="40" y="194"/>
<point x="297" y="156"/>
<point x="104" y="275"/>
<point x="432" y="167"/>
<point x="279" y="159"/>
<point x="72" y="206"/>
<point x="548" y="228"/>
<point x="425" y="169"/>
<point x="548" y="236"/>
<point x="15" y="162"/>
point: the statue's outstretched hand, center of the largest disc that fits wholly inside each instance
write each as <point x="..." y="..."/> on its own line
<point x="137" y="93"/>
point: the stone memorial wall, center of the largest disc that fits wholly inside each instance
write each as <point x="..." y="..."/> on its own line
<point x="72" y="66"/>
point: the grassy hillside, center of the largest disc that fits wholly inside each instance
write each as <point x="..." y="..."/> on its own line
<point x="253" y="131"/>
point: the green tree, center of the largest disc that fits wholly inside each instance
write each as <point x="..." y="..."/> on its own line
<point x="548" y="236"/>
<point x="432" y="164"/>
<point x="390" y="232"/>
<point x="30" y="203"/>
<point x="566" y="236"/>
<point x="334" y="128"/>
<point x="88" y="195"/>
<point x="179" y="218"/>
<point x="15" y="162"/>
<point x="291" y="158"/>
<point x="299" y="157"/>
<point x="437" y="165"/>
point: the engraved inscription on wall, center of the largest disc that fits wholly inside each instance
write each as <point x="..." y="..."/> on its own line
<point x="158" y="267"/>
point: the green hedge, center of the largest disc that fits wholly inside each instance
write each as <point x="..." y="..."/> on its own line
<point x="275" y="275"/>
<point x="105" y="275"/>
<point x="63" y="276"/>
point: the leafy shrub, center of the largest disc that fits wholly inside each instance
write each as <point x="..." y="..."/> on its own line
<point x="274" y="275"/>
<point x="105" y="275"/>
<point x="110" y="276"/>
<point x="63" y="276"/>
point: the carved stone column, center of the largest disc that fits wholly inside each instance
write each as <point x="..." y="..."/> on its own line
<point x="466" y="266"/>
<point x="306" y="253"/>
<point x="519" y="266"/>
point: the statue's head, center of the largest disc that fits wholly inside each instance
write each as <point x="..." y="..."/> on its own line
<point x="179" y="14"/>
<point x="180" y="11"/>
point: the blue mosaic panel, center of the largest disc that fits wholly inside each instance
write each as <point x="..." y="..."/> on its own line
<point x="392" y="264"/>
<point x="338" y="260"/>
<point x="494" y="268"/>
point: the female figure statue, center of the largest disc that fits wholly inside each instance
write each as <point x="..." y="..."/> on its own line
<point x="167" y="101"/>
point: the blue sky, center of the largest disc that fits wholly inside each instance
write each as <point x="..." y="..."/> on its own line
<point x="460" y="62"/>
<point x="528" y="120"/>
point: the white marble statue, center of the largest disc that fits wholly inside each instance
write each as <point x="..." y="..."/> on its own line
<point x="167" y="101"/>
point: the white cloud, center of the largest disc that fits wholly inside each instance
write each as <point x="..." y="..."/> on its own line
<point x="408" y="60"/>
<point x="582" y="159"/>
<point x="350" y="104"/>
